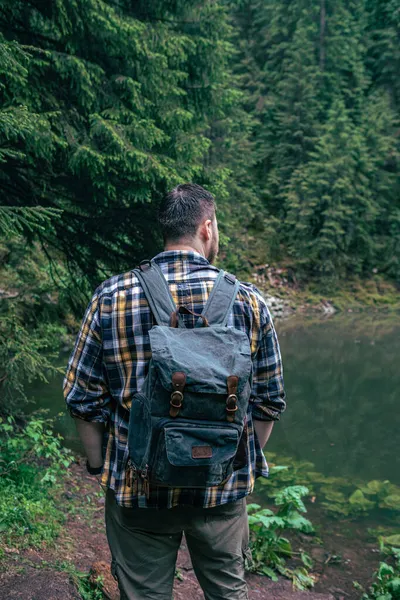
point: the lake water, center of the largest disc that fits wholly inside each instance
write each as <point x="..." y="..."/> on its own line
<point x="342" y="379"/>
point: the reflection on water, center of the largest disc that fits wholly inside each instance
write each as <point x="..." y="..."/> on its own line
<point x="342" y="380"/>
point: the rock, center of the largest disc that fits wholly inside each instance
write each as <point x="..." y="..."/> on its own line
<point x="327" y="308"/>
<point x="10" y="550"/>
<point x="279" y="308"/>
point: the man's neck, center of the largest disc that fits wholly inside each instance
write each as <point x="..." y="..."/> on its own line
<point x="184" y="247"/>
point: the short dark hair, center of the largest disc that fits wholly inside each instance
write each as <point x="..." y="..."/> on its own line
<point x="183" y="209"/>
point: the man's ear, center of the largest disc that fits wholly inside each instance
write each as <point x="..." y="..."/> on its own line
<point x="206" y="230"/>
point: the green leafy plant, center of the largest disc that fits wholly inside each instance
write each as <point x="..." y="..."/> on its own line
<point x="270" y="548"/>
<point x="87" y="587"/>
<point x="386" y="584"/>
<point x="31" y="465"/>
<point x="338" y="496"/>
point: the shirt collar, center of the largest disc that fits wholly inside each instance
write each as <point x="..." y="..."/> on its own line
<point x="191" y="256"/>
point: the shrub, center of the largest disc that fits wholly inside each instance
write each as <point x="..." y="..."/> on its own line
<point x="31" y="464"/>
<point x="269" y="547"/>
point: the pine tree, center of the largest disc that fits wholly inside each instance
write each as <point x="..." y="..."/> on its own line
<point x="343" y="69"/>
<point x="285" y="96"/>
<point x="383" y="58"/>
<point x="380" y="125"/>
<point x="336" y="199"/>
<point x="106" y="106"/>
<point x="327" y="149"/>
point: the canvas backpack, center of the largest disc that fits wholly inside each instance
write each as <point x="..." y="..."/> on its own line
<point x="187" y="424"/>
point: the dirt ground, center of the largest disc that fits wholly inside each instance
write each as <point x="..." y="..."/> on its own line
<point x="42" y="575"/>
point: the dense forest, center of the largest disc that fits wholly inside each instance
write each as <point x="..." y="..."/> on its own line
<point x="287" y="111"/>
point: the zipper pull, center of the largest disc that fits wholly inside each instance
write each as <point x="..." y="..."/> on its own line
<point x="131" y="473"/>
<point x="145" y="487"/>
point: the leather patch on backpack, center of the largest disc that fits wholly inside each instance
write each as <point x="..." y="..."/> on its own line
<point x="202" y="452"/>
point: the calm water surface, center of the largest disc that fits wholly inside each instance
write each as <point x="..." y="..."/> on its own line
<point x="342" y="379"/>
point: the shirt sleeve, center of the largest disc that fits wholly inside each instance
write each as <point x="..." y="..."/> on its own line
<point x="85" y="389"/>
<point x="268" y="393"/>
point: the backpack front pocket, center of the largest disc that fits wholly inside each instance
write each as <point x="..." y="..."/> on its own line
<point x="194" y="454"/>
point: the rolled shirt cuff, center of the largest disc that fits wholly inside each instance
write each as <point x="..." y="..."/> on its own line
<point x="93" y="470"/>
<point x="99" y="415"/>
<point x="264" y="413"/>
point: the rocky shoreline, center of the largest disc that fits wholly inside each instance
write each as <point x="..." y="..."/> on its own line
<point x="286" y="296"/>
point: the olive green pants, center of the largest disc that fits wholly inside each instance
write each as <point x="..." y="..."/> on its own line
<point x="144" y="544"/>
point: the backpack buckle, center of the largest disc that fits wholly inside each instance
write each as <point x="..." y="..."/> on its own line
<point x="232" y="400"/>
<point x="178" y="384"/>
<point x="231" y="407"/>
<point x="176" y="399"/>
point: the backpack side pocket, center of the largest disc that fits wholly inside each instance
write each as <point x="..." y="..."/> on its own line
<point x="139" y="434"/>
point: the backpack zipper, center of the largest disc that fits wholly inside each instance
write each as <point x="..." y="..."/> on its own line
<point x="131" y="473"/>
<point x="144" y="477"/>
<point x="135" y="475"/>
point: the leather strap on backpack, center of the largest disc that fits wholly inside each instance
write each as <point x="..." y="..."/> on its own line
<point x="176" y="317"/>
<point x="232" y="400"/>
<point x="178" y="384"/>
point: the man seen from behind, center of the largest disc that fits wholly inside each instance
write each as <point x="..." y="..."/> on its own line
<point x="195" y="421"/>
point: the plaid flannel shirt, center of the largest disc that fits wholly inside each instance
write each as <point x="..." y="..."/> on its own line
<point x="110" y="362"/>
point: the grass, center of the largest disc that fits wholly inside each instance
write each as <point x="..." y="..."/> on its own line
<point x="29" y="516"/>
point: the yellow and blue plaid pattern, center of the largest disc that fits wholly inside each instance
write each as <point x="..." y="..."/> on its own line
<point x="110" y="362"/>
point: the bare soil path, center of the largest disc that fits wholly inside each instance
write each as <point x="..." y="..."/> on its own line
<point x="48" y="573"/>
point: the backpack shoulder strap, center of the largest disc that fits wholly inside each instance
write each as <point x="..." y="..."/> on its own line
<point x="156" y="290"/>
<point x="220" y="300"/>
